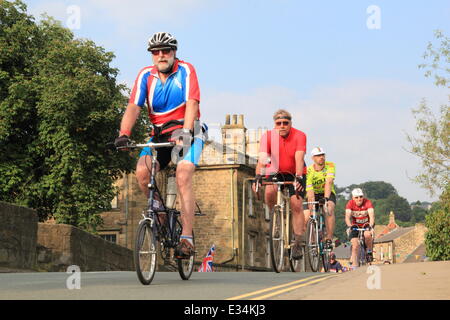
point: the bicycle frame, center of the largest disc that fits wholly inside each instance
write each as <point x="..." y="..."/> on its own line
<point x="315" y="240"/>
<point x="167" y="234"/>
<point x="152" y="183"/>
<point x="318" y="217"/>
<point x="283" y="201"/>
<point x="281" y="212"/>
<point x="362" y="242"/>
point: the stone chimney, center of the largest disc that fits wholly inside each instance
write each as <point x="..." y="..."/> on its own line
<point x="234" y="138"/>
<point x="227" y="119"/>
<point x="392" y="218"/>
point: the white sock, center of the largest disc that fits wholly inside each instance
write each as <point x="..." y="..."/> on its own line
<point x="188" y="238"/>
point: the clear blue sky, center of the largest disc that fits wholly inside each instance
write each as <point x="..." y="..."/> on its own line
<point x="350" y="88"/>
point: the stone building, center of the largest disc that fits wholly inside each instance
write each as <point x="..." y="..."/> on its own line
<point x="231" y="217"/>
<point x="395" y="244"/>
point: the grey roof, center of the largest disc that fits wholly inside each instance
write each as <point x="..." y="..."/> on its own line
<point x="394" y="234"/>
<point x="342" y="252"/>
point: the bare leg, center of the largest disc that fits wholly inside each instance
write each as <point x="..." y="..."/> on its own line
<point x="355" y="248"/>
<point x="330" y="220"/>
<point x="307" y="215"/>
<point x="271" y="196"/>
<point x="298" y="218"/>
<point x="184" y="176"/>
<point x="143" y="168"/>
<point x="368" y="240"/>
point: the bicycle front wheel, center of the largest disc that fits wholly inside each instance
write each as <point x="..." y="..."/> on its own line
<point x="361" y="254"/>
<point x="312" y="245"/>
<point x="145" y="253"/>
<point x="185" y="266"/>
<point x="276" y="234"/>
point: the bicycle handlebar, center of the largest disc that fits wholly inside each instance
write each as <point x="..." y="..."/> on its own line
<point x="362" y="229"/>
<point x="270" y="181"/>
<point x="149" y="144"/>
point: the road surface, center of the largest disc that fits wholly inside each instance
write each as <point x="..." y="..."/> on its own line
<point x="165" y="286"/>
<point x="423" y="280"/>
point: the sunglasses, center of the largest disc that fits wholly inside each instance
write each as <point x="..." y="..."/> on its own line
<point x="358" y="197"/>
<point x="282" y="123"/>
<point x="156" y="51"/>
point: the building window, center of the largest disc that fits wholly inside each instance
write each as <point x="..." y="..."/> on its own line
<point x="251" y="249"/>
<point x="109" y="237"/>
<point x="266" y="212"/>
<point x="114" y="202"/>
<point x="251" y="211"/>
<point x="381" y="253"/>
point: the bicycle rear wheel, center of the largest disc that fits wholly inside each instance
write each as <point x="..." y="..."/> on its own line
<point x="145" y="252"/>
<point x="297" y="265"/>
<point x="185" y="266"/>
<point x="276" y="234"/>
<point x="312" y="245"/>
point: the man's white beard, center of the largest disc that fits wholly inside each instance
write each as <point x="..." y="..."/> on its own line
<point x="170" y="61"/>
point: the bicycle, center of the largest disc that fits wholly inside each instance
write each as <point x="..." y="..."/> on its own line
<point x="363" y="257"/>
<point x="315" y="240"/>
<point x="155" y="232"/>
<point x="280" y="220"/>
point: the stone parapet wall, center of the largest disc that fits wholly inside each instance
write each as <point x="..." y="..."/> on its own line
<point x="18" y="233"/>
<point x="60" y="246"/>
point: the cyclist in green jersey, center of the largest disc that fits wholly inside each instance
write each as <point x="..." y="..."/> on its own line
<point x="320" y="185"/>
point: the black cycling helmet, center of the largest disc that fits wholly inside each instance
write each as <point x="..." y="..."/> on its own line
<point x="162" y="40"/>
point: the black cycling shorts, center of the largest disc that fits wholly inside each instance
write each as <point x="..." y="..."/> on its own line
<point x="319" y="196"/>
<point x="291" y="189"/>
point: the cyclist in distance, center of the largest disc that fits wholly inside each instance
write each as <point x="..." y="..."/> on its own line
<point x="320" y="185"/>
<point x="171" y="92"/>
<point x="285" y="147"/>
<point x="360" y="213"/>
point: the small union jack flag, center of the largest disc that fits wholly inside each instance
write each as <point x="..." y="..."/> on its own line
<point x="208" y="261"/>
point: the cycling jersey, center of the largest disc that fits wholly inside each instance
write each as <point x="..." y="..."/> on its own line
<point x="166" y="101"/>
<point x="360" y="214"/>
<point x="315" y="180"/>
<point x="283" y="159"/>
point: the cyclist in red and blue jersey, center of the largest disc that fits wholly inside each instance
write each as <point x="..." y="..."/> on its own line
<point x="285" y="147"/>
<point x="169" y="88"/>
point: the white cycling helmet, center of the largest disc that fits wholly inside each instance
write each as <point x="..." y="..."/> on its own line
<point x="357" y="192"/>
<point x="317" y="151"/>
<point x="162" y="40"/>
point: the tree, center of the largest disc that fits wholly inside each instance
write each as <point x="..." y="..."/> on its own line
<point x="340" y="226"/>
<point x="432" y="147"/>
<point x="419" y="213"/>
<point x="437" y="238"/>
<point x="432" y="143"/>
<point x="60" y="105"/>
<point x="375" y="189"/>
<point x="395" y="203"/>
